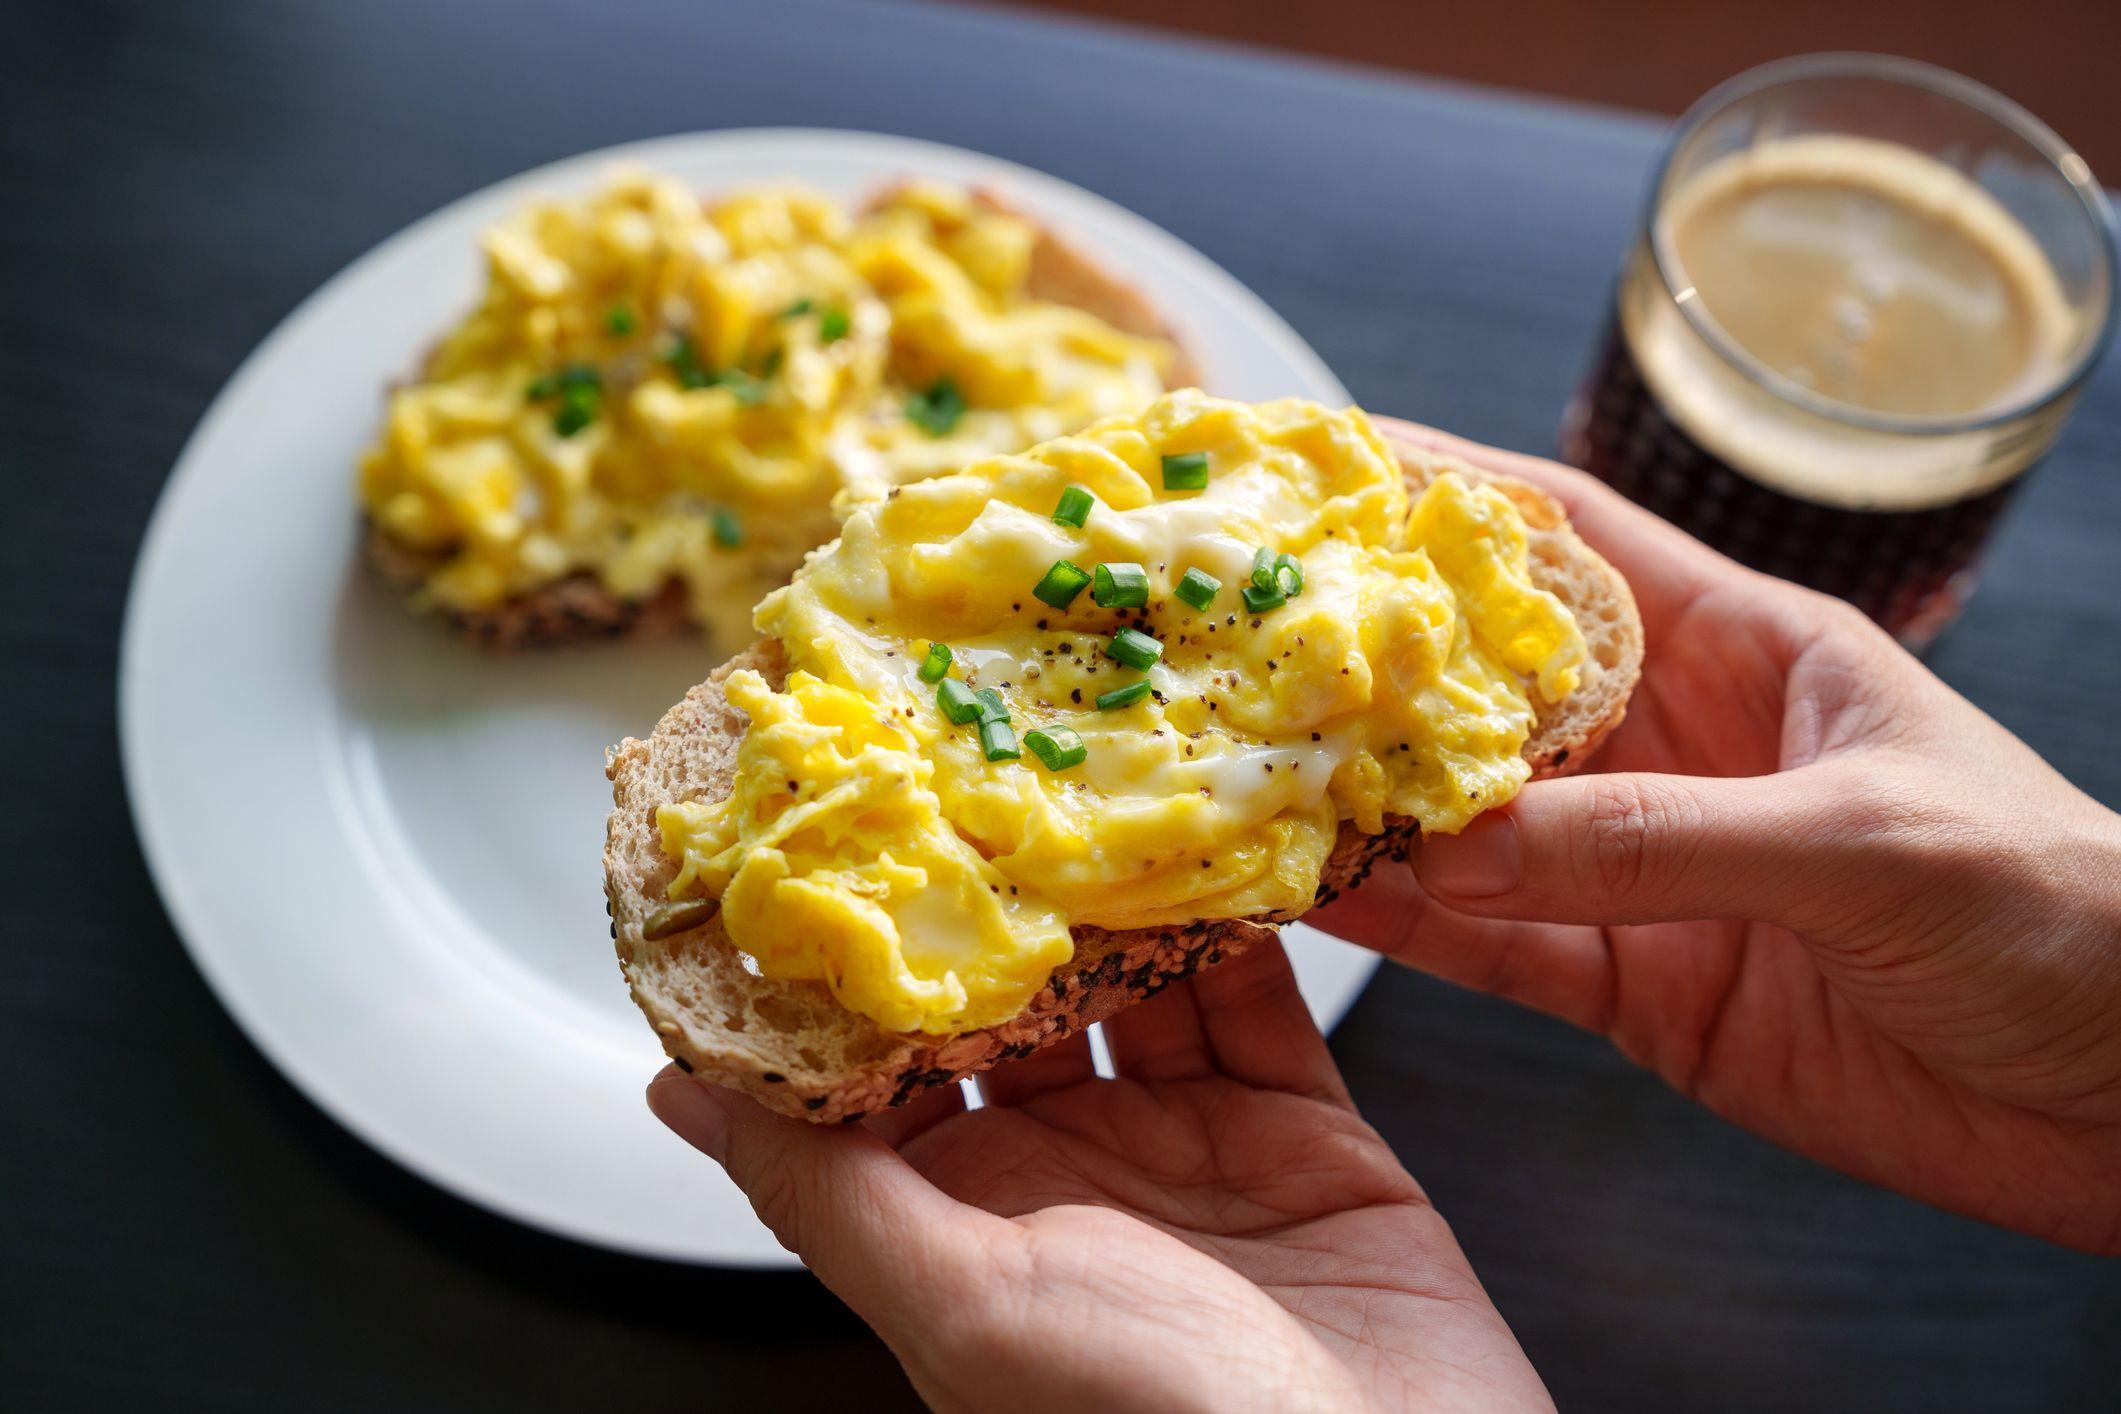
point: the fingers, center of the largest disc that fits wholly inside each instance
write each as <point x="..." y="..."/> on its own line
<point x="1666" y="567"/>
<point x="836" y="1196"/>
<point x="1258" y="1029"/>
<point x="1642" y="848"/>
<point x="1161" y="1039"/>
<point x="1561" y="969"/>
<point x="1056" y="1067"/>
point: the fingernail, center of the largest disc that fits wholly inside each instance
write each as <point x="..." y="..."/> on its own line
<point x="1480" y="861"/>
<point x="693" y="1112"/>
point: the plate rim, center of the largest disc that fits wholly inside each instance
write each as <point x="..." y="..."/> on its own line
<point x="152" y="825"/>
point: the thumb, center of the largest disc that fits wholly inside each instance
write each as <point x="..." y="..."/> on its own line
<point x="859" y="1216"/>
<point x="1643" y="848"/>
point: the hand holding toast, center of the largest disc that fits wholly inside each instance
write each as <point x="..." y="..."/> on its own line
<point x="1912" y="953"/>
<point x="1215" y="1229"/>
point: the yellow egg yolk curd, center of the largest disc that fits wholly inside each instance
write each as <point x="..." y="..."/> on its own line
<point x="654" y="390"/>
<point x="1132" y="678"/>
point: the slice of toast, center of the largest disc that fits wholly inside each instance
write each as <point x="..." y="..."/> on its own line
<point x="796" y="1049"/>
<point x="579" y="608"/>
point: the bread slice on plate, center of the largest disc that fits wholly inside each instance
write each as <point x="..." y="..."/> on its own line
<point x="796" y="1049"/>
<point x="579" y="608"/>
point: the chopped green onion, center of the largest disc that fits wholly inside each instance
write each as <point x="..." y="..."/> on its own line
<point x="619" y="320"/>
<point x="771" y="363"/>
<point x="1263" y="568"/>
<point x="797" y="310"/>
<point x="579" y="400"/>
<point x="1198" y="589"/>
<point x="1061" y="584"/>
<point x="1134" y="648"/>
<point x="957" y="701"/>
<point x="1074" y="507"/>
<point x="684" y="361"/>
<point x="832" y="325"/>
<point x="991" y="706"/>
<point x="574" y="375"/>
<point x="1057" y="747"/>
<point x="728" y="530"/>
<point x="1126" y="696"/>
<point x="1288" y="574"/>
<point x="1120" y="586"/>
<point x="937" y="663"/>
<point x="750" y="391"/>
<point x="1259" y="600"/>
<point x="937" y="410"/>
<point x="1186" y="472"/>
<point x="997" y="741"/>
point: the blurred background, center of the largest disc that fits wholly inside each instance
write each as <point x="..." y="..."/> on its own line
<point x="2054" y="56"/>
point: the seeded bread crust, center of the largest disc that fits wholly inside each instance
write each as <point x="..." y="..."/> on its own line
<point x="579" y="609"/>
<point x="794" y="1048"/>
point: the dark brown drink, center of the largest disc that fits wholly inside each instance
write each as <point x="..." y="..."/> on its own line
<point x="1834" y="355"/>
<point x="1909" y="569"/>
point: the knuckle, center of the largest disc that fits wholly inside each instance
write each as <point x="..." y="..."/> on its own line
<point x="1630" y="823"/>
<point x="776" y="1197"/>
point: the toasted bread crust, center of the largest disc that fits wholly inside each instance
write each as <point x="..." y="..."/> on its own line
<point x="580" y="609"/>
<point x="791" y="1045"/>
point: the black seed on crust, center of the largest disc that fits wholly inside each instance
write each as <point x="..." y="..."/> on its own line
<point x="815" y="1102"/>
<point x="773" y="1077"/>
<point x="682" y="1064"/>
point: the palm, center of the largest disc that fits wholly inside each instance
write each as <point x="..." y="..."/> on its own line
<point x="1228" y="1184"/>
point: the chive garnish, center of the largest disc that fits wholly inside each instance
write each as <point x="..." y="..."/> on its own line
<point x="1134" y="648"/>
<point x="1057" y="747"/>
<point x="797" y="310"/>
<point x="1120" y="586"/>
<point x="1263" y="568"/>
<point x="1187" y="471"/>
<point x="956" y="701"/>
<point x="728" y="530"/>
<point x="579" y="399"/>
<point x="997" y="741"/>
<point x="1061" y="584"/>
<point x="684" y="361"/>
<point x="1288" y="574"/>
<point x="937" y="410"/>
<point x="750" y="391"/>
<point x="991" y="706"/>
<point x="1126" y="696"/>
<point x="1259" y="600"/>
<point x="1198" y="588"/>
<point x="937" y="663"/>
<point x="1074" y="507"/>
<point x="619" y="320"/>
<point x="832" y="325"/>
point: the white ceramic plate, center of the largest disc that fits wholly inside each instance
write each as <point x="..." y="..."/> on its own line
<point x="381" y="846"/>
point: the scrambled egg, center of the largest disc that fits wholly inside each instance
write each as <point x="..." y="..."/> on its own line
<point x="657" y="390"/>
<point x="1359" y="657"/>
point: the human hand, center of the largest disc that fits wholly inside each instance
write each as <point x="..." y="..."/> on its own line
<point x="1911" y="968"/>
<point x="1214" y="1229"/>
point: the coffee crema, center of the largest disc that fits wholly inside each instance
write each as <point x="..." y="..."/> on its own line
<point x="1867" y="292"/>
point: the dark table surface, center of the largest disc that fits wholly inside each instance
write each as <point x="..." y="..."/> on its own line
<point x="183" y="1229"/>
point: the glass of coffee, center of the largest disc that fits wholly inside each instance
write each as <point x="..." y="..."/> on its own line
<point x="1863" y="301"/>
